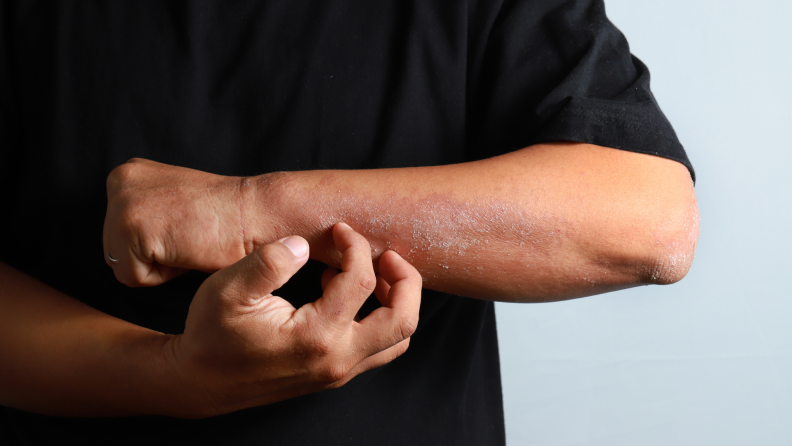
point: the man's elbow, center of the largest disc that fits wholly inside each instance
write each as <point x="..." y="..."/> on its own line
<point x="673" y="243"/>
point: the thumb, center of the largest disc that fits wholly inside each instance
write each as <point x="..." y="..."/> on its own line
<point x="264" y="270"/>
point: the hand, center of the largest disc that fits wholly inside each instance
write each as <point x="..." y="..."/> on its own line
<point x="244" y="347"/>
<point x="163" y="220"/>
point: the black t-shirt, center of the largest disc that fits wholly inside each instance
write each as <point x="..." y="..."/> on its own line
<point x="244" y="88"/>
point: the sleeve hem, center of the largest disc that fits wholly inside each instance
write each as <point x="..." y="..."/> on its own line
<point x="608" y="129"/>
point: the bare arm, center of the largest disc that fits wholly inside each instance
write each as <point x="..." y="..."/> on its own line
<point x="242" y="346"/>
<point x="544" y="223"/>
<point x="61" y="357"/>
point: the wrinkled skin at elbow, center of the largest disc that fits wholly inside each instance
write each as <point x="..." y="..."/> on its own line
<point x="674" y="244"/>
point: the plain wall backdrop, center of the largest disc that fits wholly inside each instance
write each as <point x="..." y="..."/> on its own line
<point x="707" y="361"/>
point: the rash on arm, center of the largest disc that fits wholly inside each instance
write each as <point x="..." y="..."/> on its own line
<point x="548" y="222"/>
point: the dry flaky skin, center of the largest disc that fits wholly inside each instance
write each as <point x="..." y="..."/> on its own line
<point x="546" y="223"/>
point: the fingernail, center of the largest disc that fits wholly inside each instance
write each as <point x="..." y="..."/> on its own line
<point x="297" y="245"/>
<point x="344" y="225"/>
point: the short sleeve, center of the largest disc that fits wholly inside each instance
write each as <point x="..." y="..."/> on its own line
<point x="559" y="70"/>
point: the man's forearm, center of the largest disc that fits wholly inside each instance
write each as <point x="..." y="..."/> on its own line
<point x="61" y="357"/>
<point x="545" y="223"/>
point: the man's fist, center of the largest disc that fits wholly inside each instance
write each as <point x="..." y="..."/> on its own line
<point x="244" y="347"/>
<point x="163" y="220"/>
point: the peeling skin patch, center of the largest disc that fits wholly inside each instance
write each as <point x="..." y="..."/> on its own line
<point x="537" y="250"/>
<point x="438" y="233"/>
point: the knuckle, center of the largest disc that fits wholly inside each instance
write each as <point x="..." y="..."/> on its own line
<point x="130" y="280"/>
<point x="368" y="282"/>
<point x="335" y="385"/>
<point x="270" y="265"/>
<point x="333" y="372"/>
<point x="342" y="382"/>
<point x="401" y="348"/>
<point x="121" y="174"/>
<point x="414" y="276"/>
<point x="406" y="326"/>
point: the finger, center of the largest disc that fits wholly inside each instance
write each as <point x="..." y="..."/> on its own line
<point x="111" y="252"/>
<point x="129" y="266"/>
<point x="347" y="291"/>
<point x="327" y="276"/>
<point x="397" y="272"/>
<point x="129" y="269"/>
<point x="397" y="319"/>
<point x="382" y="290"/>
<point x="133" y="272"/>
<point x="263" y="271"/>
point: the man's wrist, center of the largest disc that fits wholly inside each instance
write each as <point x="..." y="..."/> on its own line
<point x="273" y="207"/>
<point x="308" y="204"/>
<point x="180" y="389"/>
<point x="148" y="381"/>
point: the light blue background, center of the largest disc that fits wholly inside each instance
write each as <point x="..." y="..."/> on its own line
<point x="707" y="361"/>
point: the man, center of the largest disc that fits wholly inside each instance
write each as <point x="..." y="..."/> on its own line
<point x="497" y="151"/>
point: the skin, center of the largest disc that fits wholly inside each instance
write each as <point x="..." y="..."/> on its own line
<point x="546" y="223"/>
<point x="549" y="222"/>
<point x="242" y="346"/>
